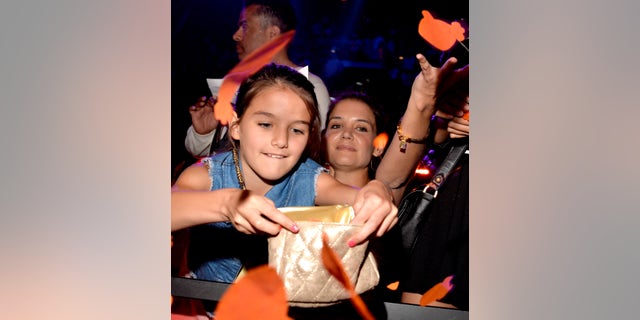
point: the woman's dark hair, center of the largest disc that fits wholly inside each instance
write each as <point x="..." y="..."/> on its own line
<point x="273" y="75"/>
<point x="370" y="101"/>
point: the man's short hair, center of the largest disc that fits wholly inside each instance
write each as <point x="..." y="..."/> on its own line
<point x="278" y="12"/>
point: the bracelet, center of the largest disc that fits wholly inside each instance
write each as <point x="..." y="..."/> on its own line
<point x="404" y="139"/>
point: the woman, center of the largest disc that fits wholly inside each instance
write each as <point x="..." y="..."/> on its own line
<point x="354" y="121"/>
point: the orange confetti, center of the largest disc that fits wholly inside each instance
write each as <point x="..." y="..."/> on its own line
<point x="333" y="264"/>
<point x="245" y="68"/>
<point x="380" y="142"/>
<point x="260" y="294"/>
<point x="437" y="292"/>
<point x="438" y="33"/>
<point x="393" y="286"/>
<point x="466" y="116"/>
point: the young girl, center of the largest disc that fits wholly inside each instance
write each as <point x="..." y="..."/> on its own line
<point x="236" y="193"/>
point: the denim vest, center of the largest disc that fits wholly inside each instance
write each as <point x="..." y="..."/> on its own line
<point x="217" y="251"/>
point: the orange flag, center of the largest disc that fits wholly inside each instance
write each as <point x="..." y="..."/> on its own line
<point x="259" y="294"/>
<point x="438" y="33"/>
<point x="333" y="264"/>
<point x="245" y="68"/>
<point x="437" y="292"/>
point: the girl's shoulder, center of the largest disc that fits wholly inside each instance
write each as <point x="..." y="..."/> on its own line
<point x="195" y="177"/>
<point x="217" y="159"/>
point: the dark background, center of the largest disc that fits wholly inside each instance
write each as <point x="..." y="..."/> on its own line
<point x="350" y="44"/>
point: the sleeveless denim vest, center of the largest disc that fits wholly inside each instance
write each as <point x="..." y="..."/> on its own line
<point x="217" y="251"/>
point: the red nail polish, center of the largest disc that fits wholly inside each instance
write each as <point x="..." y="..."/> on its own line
<point x="295" y="228"/>
<point x="351" y="243"/>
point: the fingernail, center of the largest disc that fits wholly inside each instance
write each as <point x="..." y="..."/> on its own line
<point x="351" y="243"/>
<point x="294" y="228"/>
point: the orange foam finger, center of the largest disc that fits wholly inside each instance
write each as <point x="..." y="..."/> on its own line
<point x="438" y="33"/>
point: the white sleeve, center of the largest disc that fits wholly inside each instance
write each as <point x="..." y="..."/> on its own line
<point x="197" y="144"/>
<point x="322" y="94"/>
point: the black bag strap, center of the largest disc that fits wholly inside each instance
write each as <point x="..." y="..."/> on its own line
<point x="447" y="165"/>
<point x="412" y="210"/>
<point x="215" y="141"/>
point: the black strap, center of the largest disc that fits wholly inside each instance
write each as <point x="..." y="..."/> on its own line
<point x="215" y="141"/>
<point x="447" y="165"/>
<point x="412" y="210"/>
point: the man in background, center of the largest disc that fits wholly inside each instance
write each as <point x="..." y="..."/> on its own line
<point x="260" y="21"/>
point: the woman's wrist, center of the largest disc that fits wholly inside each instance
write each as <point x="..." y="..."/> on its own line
<point x="424" y="105"/>
<point x="406" y="138"/>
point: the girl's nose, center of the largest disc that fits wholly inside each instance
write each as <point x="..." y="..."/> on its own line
<point x="280" y="139"/>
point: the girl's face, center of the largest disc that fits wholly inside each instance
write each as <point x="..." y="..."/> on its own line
<point x="349" y="135"/>
<point x="273" y="134"/>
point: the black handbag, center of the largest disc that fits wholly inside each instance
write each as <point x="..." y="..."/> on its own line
<point x="412" y="210"/>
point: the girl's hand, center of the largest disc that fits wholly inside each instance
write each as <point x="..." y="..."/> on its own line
<point x="458" y="128"/>
<point x="253" y="213"/>
<point x="374" y="209"/>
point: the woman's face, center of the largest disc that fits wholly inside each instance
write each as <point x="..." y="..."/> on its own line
<point x="349" y="135"/>
<point x="273" y="134"/>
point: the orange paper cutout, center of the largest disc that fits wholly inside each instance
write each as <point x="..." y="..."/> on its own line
<point x="333" y="264"/>
<point x="245" y="68"/>
<point x="259" y="294"/>
<point x="381" y="141"/>
<point x="437" y="292"/>
<point x="438" y="33"/>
